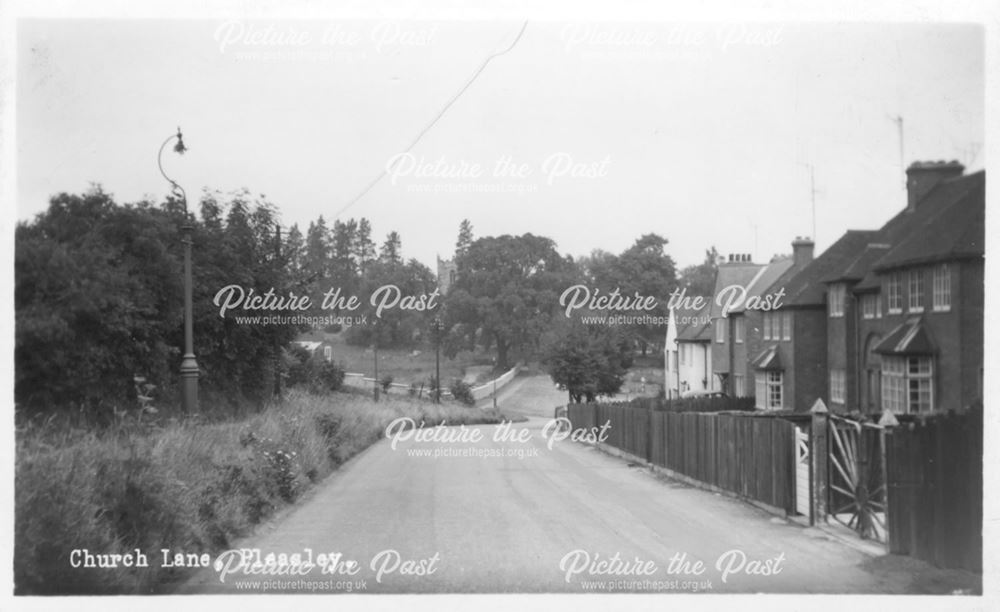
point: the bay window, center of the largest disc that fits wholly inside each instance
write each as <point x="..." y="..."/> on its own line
<point x="907" y="384"/>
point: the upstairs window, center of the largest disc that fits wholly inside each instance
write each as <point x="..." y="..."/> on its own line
<point x="916" y="294"/>
<point x="836" y="300"/>
<point x="786" y="325"/>
<point x="895" y="293"/>
<point x="868" y="304"/>
<point x="767" y="325"/>
<point x="740" y="331"/>
<point x="720" y="330"/>
<point x="942" y="288"/>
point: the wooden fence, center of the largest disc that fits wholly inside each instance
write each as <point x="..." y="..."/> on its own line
<point x="934" y="470"/>
<point x="751" y="456"/>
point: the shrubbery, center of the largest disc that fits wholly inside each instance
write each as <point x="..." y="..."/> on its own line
<point x="189" y="486"/>
<point x="462" y="392"/>
<point x="304" y="370"/>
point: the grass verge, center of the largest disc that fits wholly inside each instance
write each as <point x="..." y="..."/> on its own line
<point x="190" y="487"/>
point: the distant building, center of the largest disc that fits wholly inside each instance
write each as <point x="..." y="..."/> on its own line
<point x="317" y="343"/>
<point x="737" y="273"/>
<point x="687" y="351"/>
<point x="446" y="274"/>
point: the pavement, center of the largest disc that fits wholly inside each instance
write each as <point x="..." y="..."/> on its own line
<point x="508" y="509"/>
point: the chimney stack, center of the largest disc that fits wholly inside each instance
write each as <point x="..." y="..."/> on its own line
<point x="802" y="251"/>
<point x="921" y="177"/>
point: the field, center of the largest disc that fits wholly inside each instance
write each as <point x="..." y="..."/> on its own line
<point x="188" y="486"/>
<point x="407" y="365"/>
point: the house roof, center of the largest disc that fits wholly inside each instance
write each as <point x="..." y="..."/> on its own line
<point x="729" y="274"/>
<point x="765" y="279"/>
<point x="949" y="223"/>
<point x="806" y="288"/>
<point x="862" y="264"/>
<point x="694" y="326"/>
<point x="909" y="338"/>
<point x="768" y="359"/>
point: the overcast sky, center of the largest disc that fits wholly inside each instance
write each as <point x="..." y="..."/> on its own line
<point x="702" y="133"/>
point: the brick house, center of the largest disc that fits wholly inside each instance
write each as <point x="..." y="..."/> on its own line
<point x="790" y="370"/>
<point x="918" y="304"/>
<point x="728" y="351"/>
<point x="747" y="325"/>
<point x="888" y="319"/>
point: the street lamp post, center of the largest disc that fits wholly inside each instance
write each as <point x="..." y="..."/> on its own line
<point x="437" y="359"/>
<point x="189" y="365"/>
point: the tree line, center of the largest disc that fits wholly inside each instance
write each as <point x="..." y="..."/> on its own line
<point x="98" y="298"/>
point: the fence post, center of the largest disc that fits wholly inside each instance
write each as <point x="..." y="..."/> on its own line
<point x="649" y="434"/>
<point x="887" y="421"/>
<point x="818" y="443"/>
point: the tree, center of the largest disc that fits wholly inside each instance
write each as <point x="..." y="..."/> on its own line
<point x="587" y="360"/>
<point x="643" y="268"/>
<point x="699" y="280"/>
<point x="293" y="250"/>
<point x="464" y="238"/>
<point x="364" y="247"/>
<point x="391" y="249"/>
<point x="396" y="327"/>
<point x="506" y="294"/>
<point x="317" y="252"/>
<point x="343" y="265"/>
<point x="98" y="297"/>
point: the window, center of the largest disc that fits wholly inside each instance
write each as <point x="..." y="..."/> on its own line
<point x="739" y="385"/>
<point x="767" y="325"/>
<point x="774" y="390"/>
<point x="768" y="387"/>
<point x="942" y="288"/>
<point x="878" y="306"/>
<point x="907" y="384"/>
<point x="869" y="302"/>
<point x="786" y="324"/>
<point x="836" y="299"/>
<point x="740" y="331"/>
<point x="838" y="386"/>
<point x="916" y="294"/>
<point x="328" y="353"/>
<point x="720" y="330"/>
<point x="895" y="293"/>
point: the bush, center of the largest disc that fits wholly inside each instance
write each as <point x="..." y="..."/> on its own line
<point x="327" y="378"/>
<point x="386" y="382"/>
<point x="462" y="392"/>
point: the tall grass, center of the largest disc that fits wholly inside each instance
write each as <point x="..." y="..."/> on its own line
<point x="189" y="486"/>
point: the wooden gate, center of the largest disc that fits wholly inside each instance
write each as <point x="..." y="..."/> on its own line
<point x="803" y="483"/>
<point x="856" y="477"/>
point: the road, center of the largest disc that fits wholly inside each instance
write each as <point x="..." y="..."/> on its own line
<point x="504" y="521"/>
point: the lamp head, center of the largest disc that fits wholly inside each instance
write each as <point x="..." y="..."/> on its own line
<point x="179" y="147"/>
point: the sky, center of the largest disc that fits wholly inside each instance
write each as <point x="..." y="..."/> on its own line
<point x="590" y="133"/>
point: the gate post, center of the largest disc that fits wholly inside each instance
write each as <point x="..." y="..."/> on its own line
<point x="819" y="448"/>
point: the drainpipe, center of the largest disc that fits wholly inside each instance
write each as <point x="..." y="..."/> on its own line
<point x="677" y="363"/>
